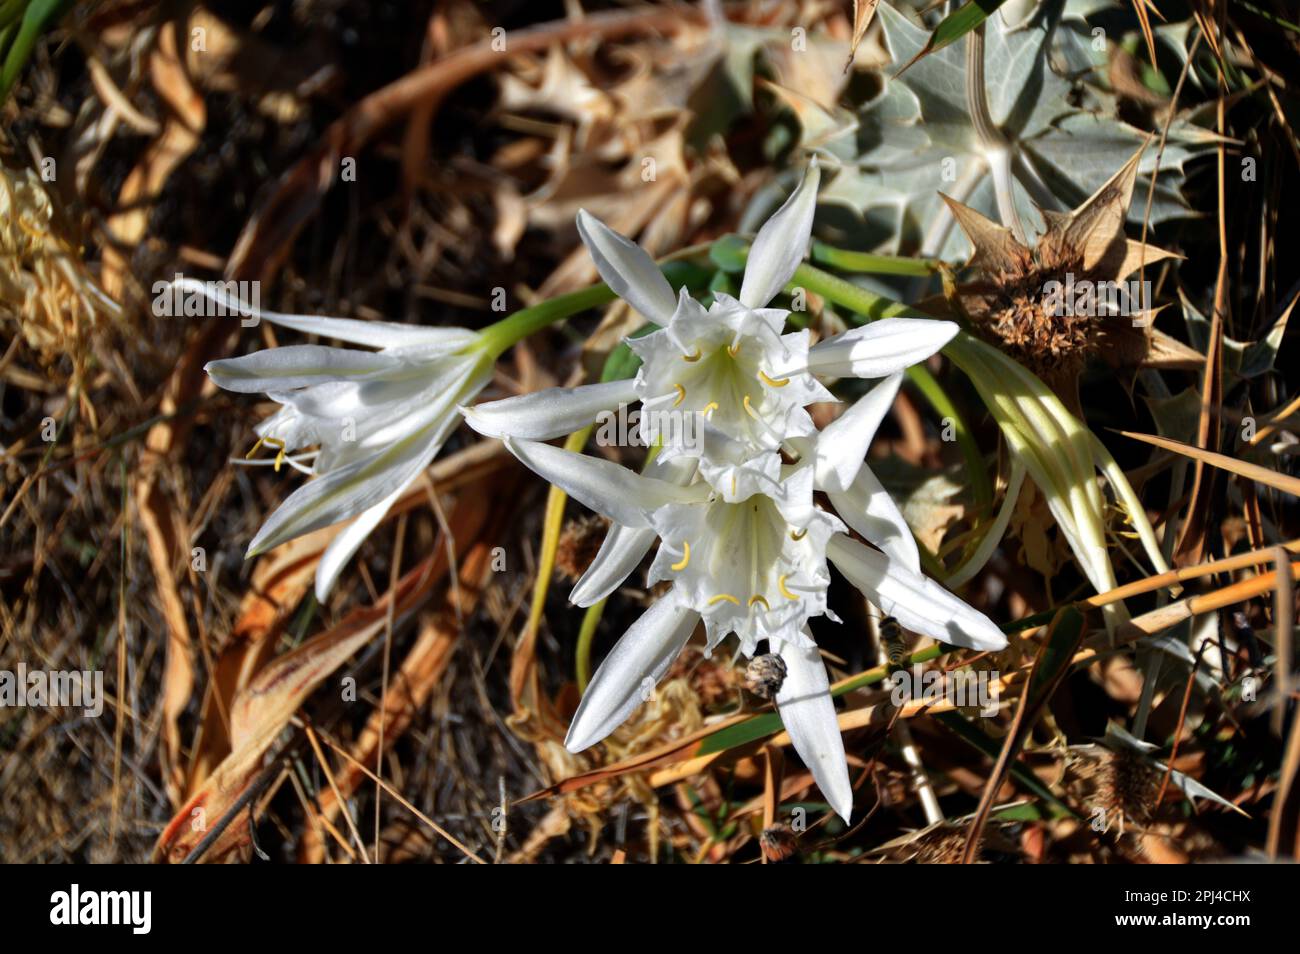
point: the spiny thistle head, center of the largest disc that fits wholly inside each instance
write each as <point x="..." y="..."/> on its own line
<point x="1068" y="297"/>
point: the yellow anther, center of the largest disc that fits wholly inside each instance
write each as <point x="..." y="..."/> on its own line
<point x="270" y="442"/>
<point x="681" y="394"/>
<point x="692" y="357"/>
<point x="710" y="408"/>
<point x="723" y="598"/>
<point x="797" y="535"/>
<point x="280" y="448"/>
<point x="686" y="557"/>
<point x="750" y="408"/>
<point x="779" y="383"/>
<point x="734" y="349"/>
<point x="733" y="485"/>
<point x="785" y="590"/>
<point x="759" y="598"/>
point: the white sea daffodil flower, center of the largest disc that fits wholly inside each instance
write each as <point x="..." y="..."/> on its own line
<point x="732" y="365"/>
<point x="377" y="418"/>
<point x="742" y="541"/>
<point x="753" y="564"/>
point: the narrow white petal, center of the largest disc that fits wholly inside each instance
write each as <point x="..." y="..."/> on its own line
<point x="881" y="348"/>
<point x="623" y="495"/>
<point x="554" y="412"/>
<point x="808" y="714"/>
<point x="869" y="509"/>
<point x="630" y="672"/>
<point x="343" y="546"/>
<point x="627" y="269"/>
<point x="842" y="445"/>
<point x="917" y="602"/>
<point x="372" y="334"/>
<point x="354" y="487"/>
<point x="296" y="366"/>
<point x="619" y="555"/>
<point x="781" y="243"/>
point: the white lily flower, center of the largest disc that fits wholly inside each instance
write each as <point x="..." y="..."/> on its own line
<point x="752" y="563"/>
<point x="740" y="536"/>
<point x="733" y="364"/>
<point x="378" y="418"/>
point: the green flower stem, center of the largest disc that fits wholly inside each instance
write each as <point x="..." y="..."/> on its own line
<point x="586" y="634"/>
<point x="849" y="261"/>
<point x="872" y="306"/>
<point x="497" y="338"/>
<point x="591" y="618"/>
<point x="848" y="295"/>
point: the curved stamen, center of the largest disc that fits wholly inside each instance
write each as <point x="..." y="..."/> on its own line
<point x="759" y="598"/>
<point x="778" y="383"/>
<point x="686" y="557"/>
<point x="681" y="394"/>
<point x="750" y="408"/>
<point x="692" y="357"/>
<point x="275" y="442"/>
<point x="797" y="535"/>
<point x="785" y="590"/>
<point x="709" y="408"/>
<point x="723" y="598"/>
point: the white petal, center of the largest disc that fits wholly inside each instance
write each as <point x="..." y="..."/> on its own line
<point x="354" y="487"/>
<point x="619" y="555"/>
<point x="842" y="445"/>
<point x="627" y="269"/>
<point x="917" y="602"/>
<point x="343" y="546"/>
<point x="372" y="334"/>
<point x="869" y="509"/>
<point x="554" y="412"/>
<point x="296" y="366"/>
<point x="881" y="348"/>
<point x="623" y="495"/>
<point x="808" y="714"/>
<point x="781" y="243"/>
<point x="630" y="672"/>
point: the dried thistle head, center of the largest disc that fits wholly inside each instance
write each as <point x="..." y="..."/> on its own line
<point x="942" y="843"/>
<point x="1120" y="782"/>
<point x="45" y="286"/>
<point x="1069" y="297"/>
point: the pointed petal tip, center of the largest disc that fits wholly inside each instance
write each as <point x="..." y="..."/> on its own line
<point x="844" y="808"/>
<point x="323" y="588"/>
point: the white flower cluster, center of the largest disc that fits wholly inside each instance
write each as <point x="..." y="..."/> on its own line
<point x="741" y="536"/>
<point x="376" y="418"/>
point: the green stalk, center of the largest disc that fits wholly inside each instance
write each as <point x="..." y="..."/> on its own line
<point x="499" y="337"/>
<point x="872" y="306"/>
<point x="865" y="263"/>
<point x="586" y="634"/>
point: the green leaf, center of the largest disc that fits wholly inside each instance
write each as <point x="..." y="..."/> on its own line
<point x="956" y="25"/>
<point x="729" y="253"/>
<point x="916" y="138"/>
<point x="17" y="48"/>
